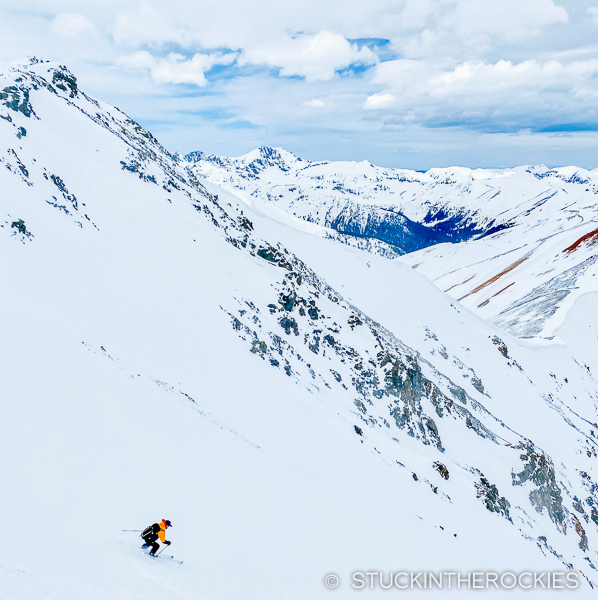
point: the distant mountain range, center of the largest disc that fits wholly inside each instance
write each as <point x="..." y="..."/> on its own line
<point x="531" y="231"/>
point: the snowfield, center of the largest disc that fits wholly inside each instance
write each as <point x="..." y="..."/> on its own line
<point x="296" y="406"/>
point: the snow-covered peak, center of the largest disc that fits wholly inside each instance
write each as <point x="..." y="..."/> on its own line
<point x="248" y="166"/>
<point x="274" y="156"/>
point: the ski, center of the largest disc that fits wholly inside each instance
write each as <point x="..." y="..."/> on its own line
<point x="166" y="557"/>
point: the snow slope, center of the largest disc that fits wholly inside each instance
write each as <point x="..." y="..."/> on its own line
<point x="296" y="407"/>
<point x="527" y="278"/>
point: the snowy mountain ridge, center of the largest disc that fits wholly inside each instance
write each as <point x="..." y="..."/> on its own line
<point x="351" y="198"/>
<point x="484" y="236"/>
<point x="253" y="369"/>
<point x="474" y="201"/>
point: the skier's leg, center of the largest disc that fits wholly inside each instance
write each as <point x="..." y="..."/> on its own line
<point x="154" y="549"/>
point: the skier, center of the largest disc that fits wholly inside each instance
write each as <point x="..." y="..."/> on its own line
<point x="151" y="534"/>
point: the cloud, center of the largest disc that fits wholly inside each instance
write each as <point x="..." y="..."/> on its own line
<point x="175" y="68"/>
<point x="377" y="101"/>
<point x="71" y="25"/>
<point x="457" y="28"/>
<point x="315" y="57"/>
<point x="314" y="104"/>
<point x="146" y="25"/>
<point x="514" y="20"/>
<point x="416" y="27"/>
<point x="593" y="10"/>
<point x="238" y="24"/>
<point x="477" y="94"/>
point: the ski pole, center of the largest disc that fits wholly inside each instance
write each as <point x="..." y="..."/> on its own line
<point x="136" y="530"/>
<point x="162" y="550"/>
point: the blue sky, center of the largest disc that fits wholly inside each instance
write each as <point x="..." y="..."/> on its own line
<point x="405" y="83"/>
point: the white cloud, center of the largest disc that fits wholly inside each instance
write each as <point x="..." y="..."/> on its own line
<point x="71" y="25"/>
<point x="174" y="68"/>
<point x="488" y="82"/>
<point x="376" y="101"/>
<point x="514" y="20"/>
<point x="480" y="94"/>
<point x="315" y="57"/>
<point x="416" y="27"/>
<point x="472" y="27"/>
<point x="238" y="24"/>
<point x="315" y="103"/>
<point x="593" y="10"/>
<point x="450" y="30"/>
<point x="148" y="25"/>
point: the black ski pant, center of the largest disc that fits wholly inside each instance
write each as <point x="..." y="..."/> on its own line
<point x="153" y="543"/>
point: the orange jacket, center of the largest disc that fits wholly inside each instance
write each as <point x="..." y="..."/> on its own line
<point x="162" y="532"/>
